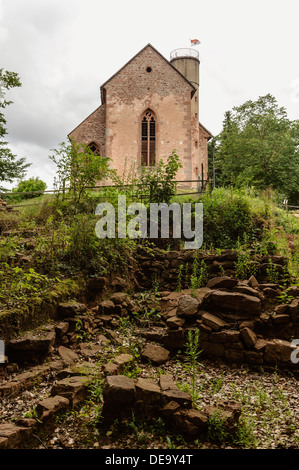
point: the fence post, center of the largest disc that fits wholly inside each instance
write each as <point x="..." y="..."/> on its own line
<point x="285" y="204"/>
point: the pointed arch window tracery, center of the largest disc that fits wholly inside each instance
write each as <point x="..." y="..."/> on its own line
<point x="95" y="148"/>
<point x="148" y="138"/>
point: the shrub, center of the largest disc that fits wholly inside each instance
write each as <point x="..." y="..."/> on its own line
<point x="158" y="183"/>
<point x="33" y="187"/>
<point x="78" y="168"/>
<point x="228" y="219"/>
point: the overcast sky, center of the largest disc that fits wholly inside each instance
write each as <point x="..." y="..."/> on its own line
<point x="63" y="50"/>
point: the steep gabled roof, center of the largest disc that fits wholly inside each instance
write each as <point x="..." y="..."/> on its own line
<point x="84" y="120"/>
<point x="157" y="52"/>
<point x="206" y="130"/>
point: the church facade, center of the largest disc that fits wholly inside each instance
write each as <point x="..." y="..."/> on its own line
<point x="148" y="109"/>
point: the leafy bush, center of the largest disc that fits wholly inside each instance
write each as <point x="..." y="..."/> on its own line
<point x="33" y="187"/>
<point x="228" y="219"/>
<point x="287" y="220"/>
<point x="158" y="183"/>
<point x="70" y="245"/>
<point x="78" y="168"/>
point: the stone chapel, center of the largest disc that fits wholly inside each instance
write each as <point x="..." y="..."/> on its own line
<point x="148" y="109"/>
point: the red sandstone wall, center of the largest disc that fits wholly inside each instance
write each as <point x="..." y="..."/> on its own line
<point x="130" y="92"/>
<point x="204" y="137"/>
<point x="92" y="129"/>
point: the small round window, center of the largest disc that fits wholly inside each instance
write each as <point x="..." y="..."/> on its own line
<point x="148" y="69"/>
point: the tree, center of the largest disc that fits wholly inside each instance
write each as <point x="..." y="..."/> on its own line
<point x="259" y="147"/>
<point x="158" y="182"/>
<point x="78" y="168"/>
<point x="32" y="187"/>
<point x="213" y="164"/>
<point x="10" y="166"/>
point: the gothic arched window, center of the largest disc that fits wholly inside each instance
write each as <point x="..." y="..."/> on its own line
<point x="94" y="148"/>
<point x="148" y="138"/>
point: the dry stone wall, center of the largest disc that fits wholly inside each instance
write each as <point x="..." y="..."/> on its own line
<point x="240" y="321"/>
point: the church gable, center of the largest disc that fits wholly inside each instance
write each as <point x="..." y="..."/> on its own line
<point x="147" y="73"/>
<point x="149" y="108"/>
<point x="91" y="130"/>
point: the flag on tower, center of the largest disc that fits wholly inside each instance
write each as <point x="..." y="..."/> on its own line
<point x="194" y="42"/>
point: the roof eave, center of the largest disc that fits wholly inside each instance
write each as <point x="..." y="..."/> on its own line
<point x="207" y="131"/>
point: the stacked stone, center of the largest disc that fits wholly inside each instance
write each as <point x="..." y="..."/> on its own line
<point x="4" y="206"/>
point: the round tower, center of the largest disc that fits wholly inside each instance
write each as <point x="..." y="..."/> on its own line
<point x="186" y="61"/>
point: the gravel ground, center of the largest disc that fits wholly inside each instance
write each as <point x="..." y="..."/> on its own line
<point x="269" y="418"/>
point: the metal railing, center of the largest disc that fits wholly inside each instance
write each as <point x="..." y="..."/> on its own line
<point x="184" y="52"/>
<point x="181" y="185"/>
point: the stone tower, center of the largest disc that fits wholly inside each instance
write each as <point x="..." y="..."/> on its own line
<point x="186" y="61"/>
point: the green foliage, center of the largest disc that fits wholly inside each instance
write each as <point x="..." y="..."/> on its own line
<point x="78" y="168"/>
<point x="10" y="166"/>
<point x="287" y="220"/>
<point x="71" y="246"/>
<point x="192" y="352"/>
<point x="217" y="428"/>
<point x="245" y="266"/>
<point x="33" y="187"/>
<point x="272" y="272"/>
<point x="258" y="147"/>
<point x="180" y="278"/>
<point x="151" y="184"/>
<point x="145" y="432"/>
<point x="95" y="402"/>
<point x="32" y="414"/>
<point x="127" y="328"/>
<point x="132" y="370"/>
<point x="199" y="275"/>
<point x="228" y="218"/>
<point x="148" y="308"/>
<point x="62" y="160"/>
<point x="158" y="182"/>
<point x="18" y="284"/>
<point x="244" y="435"/>
<point x="285" y="297"/>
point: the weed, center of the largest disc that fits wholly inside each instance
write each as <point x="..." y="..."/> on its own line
<point x="199" y="275"/>
<point x="32" y="414"/>
<point x="216" y="384"/>
<point x="155" y="283"/>
<point x="272" y="272"/>
<point x="148" y="308"/>
<point x="170" y="443"/>
<point x="130" y="342"/>
<point x="221" y="269"/>
<point x="139" y="430"/>
<point x="262" y="399"/>
<point x="192" y="352"/>
<point x="245" y="266"/>
<point x="285" y="298"/>
<point x="217" y="428"/>
<point x="132" y="370"/>
<point x="180" y="278"/>
<point x="95" y="402"/>
<point x="79" y="328"/>
<point x="244" y="433"/>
